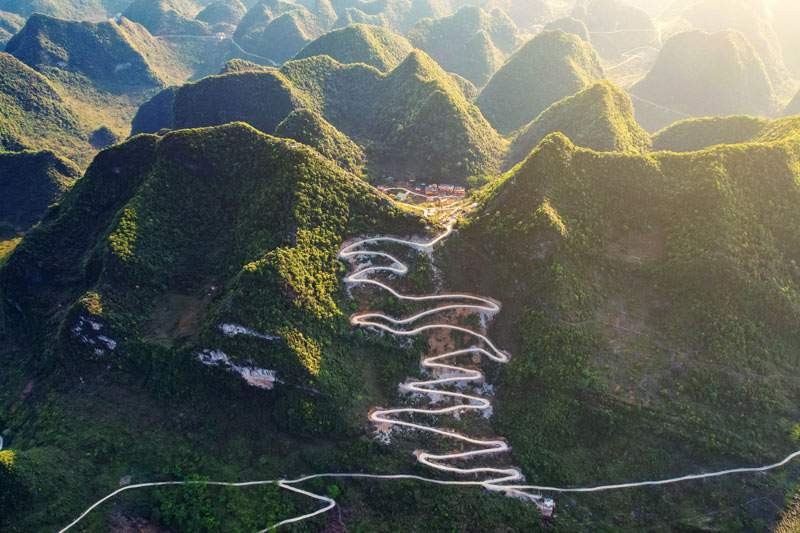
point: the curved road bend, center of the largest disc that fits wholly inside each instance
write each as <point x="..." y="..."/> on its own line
<point x="497" y="480"/>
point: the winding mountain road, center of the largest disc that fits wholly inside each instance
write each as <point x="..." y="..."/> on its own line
<point x="494" y="479"/>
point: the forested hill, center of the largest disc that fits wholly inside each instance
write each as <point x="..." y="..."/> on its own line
<point x="652" y="301"/>
<point x="420" y="125"/>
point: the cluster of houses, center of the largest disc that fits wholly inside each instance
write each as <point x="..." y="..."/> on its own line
<point x="440" y="190"/>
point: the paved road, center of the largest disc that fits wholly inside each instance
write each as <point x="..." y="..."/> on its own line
<point x="494" y="479"/>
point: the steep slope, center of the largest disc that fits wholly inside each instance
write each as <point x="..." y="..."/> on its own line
<point x="228" y="12"/>
<point x="166" y="17"/>
<point x="312" y="130"/>
<point x="155" y="114"/>
<point x="700" y="74"/>
<point x="599" y="117"/>
<point x="279" y="29"/>
<point x="359" y="43"/>
<point x="396" y="15"/>
<point x="749" y="18"/>
<point x="104" y="70"/>
<point x="549" y="67"/>
<point x="131" y="279"/>
<point x="9" y="25"/>
<point x="526" y="13"/>
<point x="33" y="116"/>
<point x="262" y="99"/>
<point x="470" y="43"/>
<point x="570" y="25"/>
<point x="652" y="303"/>
<point x="412" y="122"/>
<point x="99" y="52"/>
<point x="94" y="10"/>
<point x="29" y="183"/>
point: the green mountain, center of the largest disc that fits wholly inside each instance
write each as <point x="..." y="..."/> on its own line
<point x="652" y="301"/>
<point x="29" y="183"/>
<point x="397" y="15"/>
<point x="570" y="25"/>
<point x="420" y="124"/>
<point x="279" y="29"/>
<point x="471" y="43"/>
<point x="599" y="117"/>
<point x="34" y="117"/>
<point x="749" y="18"/>
<point x="700" y="74"/>
<point x="309" y="128"/>
<point x="166" y="17"/>
<point x="100" y="52"/>
<point x="105" y="70"/>
<point x="518" y="92"/>
<point x="204" y="262"/>
<point x="696" y="134"/>
<point x="9" y="25"/>
<point x="228" y="12"/>
<point x="524" y="13"/>
<point x="359" y="43"/>
<point x="95" y="10"/>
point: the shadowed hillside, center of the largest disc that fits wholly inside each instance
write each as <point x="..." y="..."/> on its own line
<point x="518" y="92"/>
<point x="29" y="183"/>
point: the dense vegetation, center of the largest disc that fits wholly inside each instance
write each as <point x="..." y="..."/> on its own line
<point x="165" y="239"/>
<point x="103" y="71"/>
<point x="9" y="25"/>
<point x="697" y="133"/>
<point x="67" y="9"/>
<point x="569" y="25"/>
<point x="34" y="116"/>
<point x="599" y="117"/>
<point x="421" y="125"/>
<point x="700" y="74"/>
<point x="360" y="43"/>
<point x="29" y="183"/>
<point x="517" y="93"/>
<point x="471" y="43"/>
<point x="279" y="29"/>
<point x="166" y="17"/>
<point x="99" y="52"/>
<point x="228" y="12"/>
<point x="312" y="130"/>
<point x="651" y="303"/>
